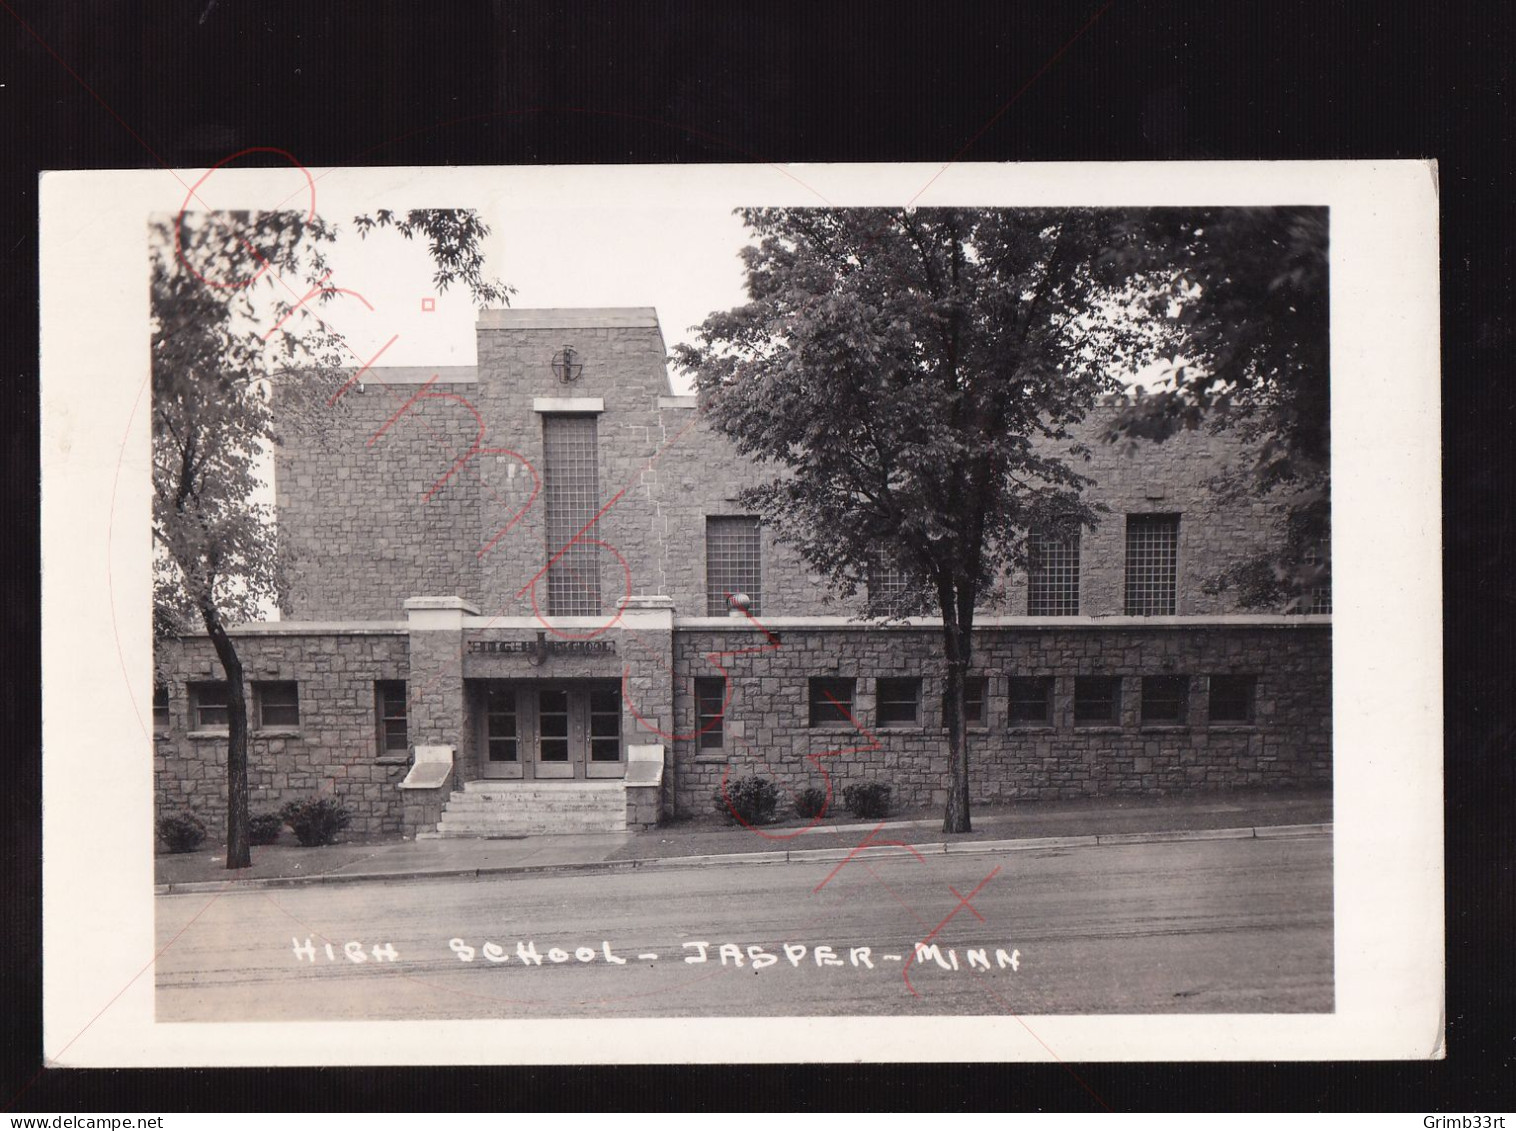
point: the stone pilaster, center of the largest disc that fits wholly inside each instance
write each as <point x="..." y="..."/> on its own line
<point x="435" y="687"/>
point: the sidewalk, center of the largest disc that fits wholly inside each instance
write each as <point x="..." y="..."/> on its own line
<point x="706" y="841"/>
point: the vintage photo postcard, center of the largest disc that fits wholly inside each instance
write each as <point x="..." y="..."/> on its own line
<point x="741" y="613"/>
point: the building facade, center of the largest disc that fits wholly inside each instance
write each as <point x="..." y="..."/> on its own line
<point x="526" y="597"/>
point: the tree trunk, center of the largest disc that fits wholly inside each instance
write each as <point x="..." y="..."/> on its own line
<point x="957" y="651"/>
<point x="238" y="852"/>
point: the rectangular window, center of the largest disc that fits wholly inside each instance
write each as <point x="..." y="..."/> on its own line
<point x="1232" y="698"/>
<point x="733" y="563"/>
<point x="1152" y="564"/>
<point x="897" y="701"/>
<point x="1031" y="700"/>
<point x="605" y="724"/>
<point x="890" y="591"/>
<point x="1097" y="700"/>
<point x="571" y="499"/>
<point x="710" y="713"/>
<point x="276" y="704"/>
<point x="160" y="709"/>
<point x="973" y="701"/>
<point x="501" y="736"/>
<point x="831" y="701"/>
<point x="208" y="705"/>
<point x="389" y="712"/>
<point x="1165" y="698"/>
<point x="1052" y="576"/>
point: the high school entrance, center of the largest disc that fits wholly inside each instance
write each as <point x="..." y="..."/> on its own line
<point x="540" y="730"/>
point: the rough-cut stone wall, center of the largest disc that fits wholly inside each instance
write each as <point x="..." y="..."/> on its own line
<point x="1287" y="744"/>
<point x="367" y="537"/>
<point x="334" y="751"/>
<point x="355" y="513"/>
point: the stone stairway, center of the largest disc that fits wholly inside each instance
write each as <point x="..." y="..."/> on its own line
<point x="518" y="808"/>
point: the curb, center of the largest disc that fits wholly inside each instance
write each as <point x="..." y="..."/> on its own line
<point x="785" y="856"/>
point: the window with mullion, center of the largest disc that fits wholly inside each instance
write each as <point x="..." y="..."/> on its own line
<point x="1052" y="575"/>
<point x="389" y="700"/>
<point x="208" y="704"/>
<point x="278" y="703"/>
<point x="897" y="700"/>
<point x="831" y="701"/>
<point x="710" y="724"/>
<point x="733" y="563"/>
<point x="1152" y="564"/>
<point x="571" y="499"/>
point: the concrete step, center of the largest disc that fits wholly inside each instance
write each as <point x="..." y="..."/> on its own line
<point x="509" y="808"/>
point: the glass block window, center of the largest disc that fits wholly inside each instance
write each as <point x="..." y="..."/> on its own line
<point x="571" y="498"/>
<point x="974" y="689"/>
<point x="890" y="590"/>
<point x="1031" y="700"/>
<point x="160" y="709"/>
<point x="208" y="705"/>
<point x="605" y="724"/>
<point x="897" y="701"/>
<point x="1152" y="564"/>
<point x="831" y="701"/>
<point x="710" y="721"/>
<point x="1317" y="598"/>
<point x="1097" y="700"/>
<point x="1052" y="576"/>
<point x="1232" y="698"/>
<point x="389" y="713"/>
<point x="277" y="704"/>
<point x="501" y="733"/>
<point x="1165" y="698"/>
<point x="733" y="563"/>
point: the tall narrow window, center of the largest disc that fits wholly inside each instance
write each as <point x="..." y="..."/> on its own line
<point x="389" y="709"/>
<point x="160" y="709"/>
<point x="1152" y="564"/>
<point x="571" y="497"/>
<point x="710" y="697"/>
<point x="733" y="563"/>
<point x="1052" y="576"/>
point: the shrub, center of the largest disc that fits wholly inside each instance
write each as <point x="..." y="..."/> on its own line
<point x="867" y="799"/>
<point x="811" y="802"/>
<point x="263" y="828"/>
<point x="751" y="800"/>
<point x="316" y="821"/>
<point x="181" y="832"/>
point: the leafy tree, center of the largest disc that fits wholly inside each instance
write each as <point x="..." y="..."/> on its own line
<point x="912" y="376"/>
<point x="1246" y="309"/>
<point x="219" y="282"/>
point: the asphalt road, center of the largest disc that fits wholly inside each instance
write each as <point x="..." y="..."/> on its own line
<point x="1230" y="926"/>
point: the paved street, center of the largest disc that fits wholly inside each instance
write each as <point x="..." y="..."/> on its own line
<point x="1232" y="926"/>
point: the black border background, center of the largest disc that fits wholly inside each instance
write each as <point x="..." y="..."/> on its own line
<point x="185" y="82"/>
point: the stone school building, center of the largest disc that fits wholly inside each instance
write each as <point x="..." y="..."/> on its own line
<point x="451" y="664"/>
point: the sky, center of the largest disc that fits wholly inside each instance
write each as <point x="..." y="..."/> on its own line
<point x="680" y="260"/>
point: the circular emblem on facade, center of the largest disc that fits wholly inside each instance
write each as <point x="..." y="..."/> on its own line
<point x="566" y="365"/>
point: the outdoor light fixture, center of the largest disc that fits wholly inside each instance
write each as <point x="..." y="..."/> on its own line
<point x="566" y="365"/>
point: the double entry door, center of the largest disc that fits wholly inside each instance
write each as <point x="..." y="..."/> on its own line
<point x="550" y="730"/>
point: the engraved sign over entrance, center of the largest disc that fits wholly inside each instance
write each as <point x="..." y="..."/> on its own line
<point x="552" y="647"/>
